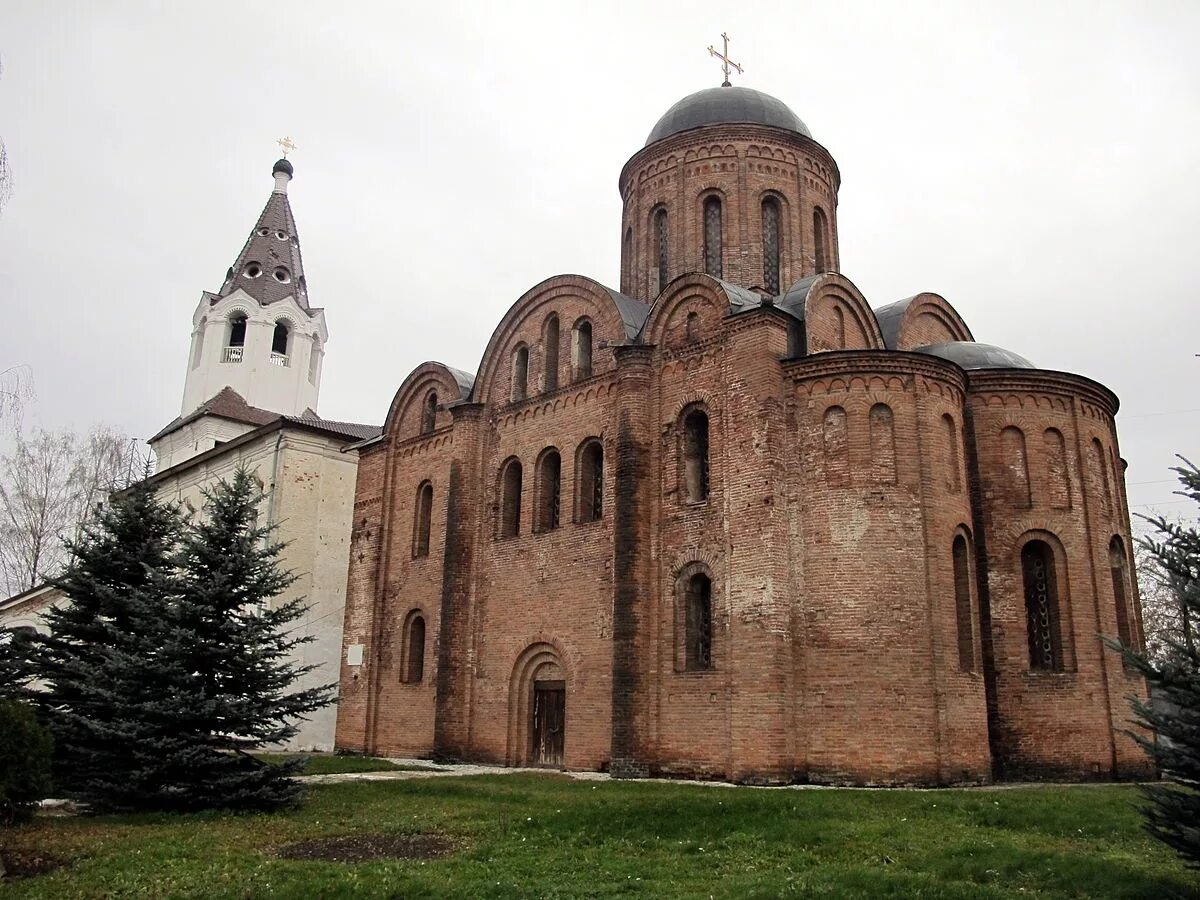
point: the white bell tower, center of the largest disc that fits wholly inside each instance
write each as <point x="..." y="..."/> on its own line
<point x="258" y="335"/>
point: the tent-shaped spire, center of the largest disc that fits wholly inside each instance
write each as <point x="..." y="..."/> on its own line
<point x="269" y="267"/>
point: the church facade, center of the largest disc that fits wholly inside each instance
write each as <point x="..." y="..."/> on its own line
<point x="731" y="521"/>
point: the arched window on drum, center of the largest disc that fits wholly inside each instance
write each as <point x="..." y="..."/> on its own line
<point x="1043" y="607"/>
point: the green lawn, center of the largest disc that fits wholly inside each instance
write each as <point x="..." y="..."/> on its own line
<point x="329" y="764"/>
<point x="548" y="836"/>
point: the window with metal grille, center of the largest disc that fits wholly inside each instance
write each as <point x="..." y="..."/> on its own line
<point x="963" y="605"/>
<point x="591" y="481"/>
<point x="549" y="490"/>
<point x="550" y="353"/>
<point x="510" y="499"/>
<point x="712" y="236"/>
<point x="770" y="238"/>
<point x="520" y="373"/>
<point x="698" y="623"/>
<point x="424" y="512"/>
<point x="695" y="456"/>
<point x="1118" y="567"/>
<point x="661" y="236"/>
<point x="414" y="649"/>
<point x="820" y="238"/>
<point x="429" y="413"/>
<point x="581" y="350"/>
<point x="1042" y="607"/>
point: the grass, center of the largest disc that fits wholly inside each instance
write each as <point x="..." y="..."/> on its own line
<point x="549" y="836"/>
<point x="329" y="764"/>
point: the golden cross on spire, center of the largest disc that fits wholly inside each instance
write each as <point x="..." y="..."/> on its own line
<point x="726" y="62"/>
<point x="287" y="146"/>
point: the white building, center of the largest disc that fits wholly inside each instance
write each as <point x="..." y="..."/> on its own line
<point x="250" y="398"/>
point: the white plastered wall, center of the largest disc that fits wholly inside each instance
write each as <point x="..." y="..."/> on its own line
<point x="311" y="505"/>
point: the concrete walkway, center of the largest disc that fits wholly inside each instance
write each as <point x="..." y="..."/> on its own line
<point x="423" y="768"/>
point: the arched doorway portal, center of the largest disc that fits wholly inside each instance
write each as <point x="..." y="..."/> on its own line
<point x="538" y="709"/>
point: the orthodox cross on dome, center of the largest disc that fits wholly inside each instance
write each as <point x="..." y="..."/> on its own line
<point x="726" y="62"/>
<point x="285" y="143"/>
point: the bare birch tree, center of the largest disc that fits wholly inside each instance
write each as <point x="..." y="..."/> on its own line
<point x="1165" y="618"/>
<point x="50" y="486"/>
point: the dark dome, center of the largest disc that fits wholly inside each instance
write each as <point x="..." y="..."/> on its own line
<point x="719" y="105"/>
<point x="971" y="355"/>
<point x="282" y="166"/>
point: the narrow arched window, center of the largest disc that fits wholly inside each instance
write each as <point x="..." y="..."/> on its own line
<point x="1016" y="467"/>
<point x="883" y="443"/>
<point x="692" y="327"/>
<point x="429" y="413"/>
<point x="770" y="239"/>
<point x="421" y="519"/>
<point x="581" y="350"/>
<point x="590" y="466"/>
<point x="1100" y="477"/>
<point x="837" y="446"/>
<point x="550" y="353"/>
<point x="661" y="238"/>
<point x="695" y="456"/>
<point x="820" y="251"/>
<point x="1042" y="611"/>
<point x="279" y="339"/>
<point x="237" y="331"/>
<point x="962" y="605"/>
<point x="1058" y="482"/>
<point x="1118" y="568"/>
<point x="549" y="490"/>
<point x="712" y="236"/>
<point x="626" y="260"/>
<point x="198" y="351"/>
<point x="414" y="650"/>
<point x="698" y="623"/>
<point x="953" y="469"/>
<point x="839" y="328"/>
<point x="520" y="373"/>
<point x="510" y="499"/>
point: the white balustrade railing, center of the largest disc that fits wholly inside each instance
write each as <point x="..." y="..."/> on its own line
<point x="231" y="355"/>
<point x="280" y="359"/>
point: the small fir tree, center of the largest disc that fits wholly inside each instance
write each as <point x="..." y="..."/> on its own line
<point x="101" y="665"/>
<point x="238" y="653"/>
<point x="1173" y="815"/>
<point x="24" y="743"/>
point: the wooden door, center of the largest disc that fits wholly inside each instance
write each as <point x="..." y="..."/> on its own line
<point x="549" y="719"/>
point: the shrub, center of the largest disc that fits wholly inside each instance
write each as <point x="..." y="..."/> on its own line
<point x="24" y="761"/>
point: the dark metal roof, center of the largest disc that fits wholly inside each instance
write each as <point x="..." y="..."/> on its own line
<point x="355" y="430"/>
<point x="890" y="318"/>
<point x="282" y="165"/>
<point x="225" y="404"/>
<point x="721" y="105"/>
<point x="973" y="355"/>
<point x="792" y="300"/>
<point x="633" y="312"/>
<point x="464" y="380"/>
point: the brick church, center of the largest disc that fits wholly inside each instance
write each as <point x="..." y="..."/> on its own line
<point x="733" y="521"/>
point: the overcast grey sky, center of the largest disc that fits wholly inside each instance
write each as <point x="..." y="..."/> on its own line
<point x="1034" y="163"/>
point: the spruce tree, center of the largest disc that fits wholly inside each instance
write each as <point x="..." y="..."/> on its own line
<point x="1173" y="815"/>
<point x="101" y="665"/>
<point x="168" y="664"/>
<point x="237" y="650"/>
